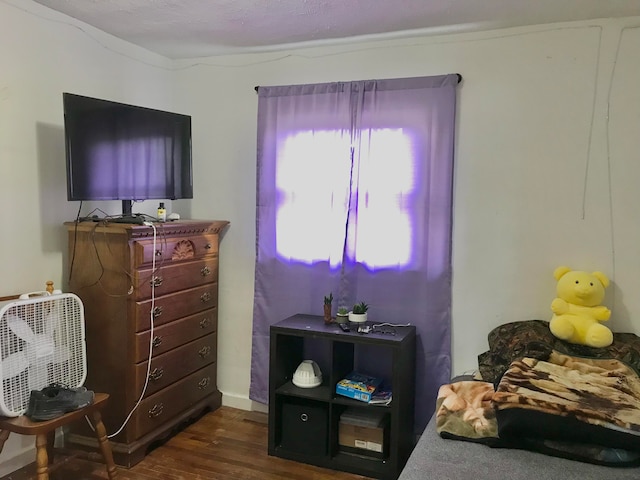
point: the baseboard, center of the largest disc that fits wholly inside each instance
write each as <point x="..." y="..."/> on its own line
<point x="243" y="403"/>
<point x="19" y="460"/>
<point x="21" y="457"/>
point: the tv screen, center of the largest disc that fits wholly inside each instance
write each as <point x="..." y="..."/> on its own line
<point x="124" y="152"/>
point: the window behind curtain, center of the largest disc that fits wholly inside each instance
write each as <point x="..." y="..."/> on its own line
<point x="354" y="198"/>
<point x="313" y="180"/>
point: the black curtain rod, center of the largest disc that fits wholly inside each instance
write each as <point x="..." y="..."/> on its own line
<point x="257" y="87"/>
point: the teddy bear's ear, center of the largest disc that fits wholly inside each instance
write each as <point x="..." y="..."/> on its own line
<point x="559" y="272"/>
<point x="602" y="277"/>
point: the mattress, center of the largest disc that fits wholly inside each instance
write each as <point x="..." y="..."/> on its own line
<point x="435" y="458"/>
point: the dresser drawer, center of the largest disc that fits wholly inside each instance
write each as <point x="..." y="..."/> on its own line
<point x="160" y="407"/>
<point x="174" y="277"/>
<point x="173" y="249"/>
<point x="174" y="334"/>
<point x="175" y="305"/>
<point x="175" y="364"/>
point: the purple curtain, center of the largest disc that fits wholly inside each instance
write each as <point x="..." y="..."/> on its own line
<point x="381" y="232"/>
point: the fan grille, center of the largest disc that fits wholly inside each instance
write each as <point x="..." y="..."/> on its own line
<point x="42" y="342"/>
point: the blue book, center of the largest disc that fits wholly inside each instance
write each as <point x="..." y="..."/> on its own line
<point x="358" y="386"/>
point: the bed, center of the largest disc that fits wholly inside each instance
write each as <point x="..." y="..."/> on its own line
<point x="539" y="409"/>
<point x="436" y="458"/>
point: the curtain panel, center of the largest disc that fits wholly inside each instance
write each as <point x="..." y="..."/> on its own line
<point x="364" y="171"/>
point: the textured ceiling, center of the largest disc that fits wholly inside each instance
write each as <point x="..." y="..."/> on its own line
<point x="196" y="28"/>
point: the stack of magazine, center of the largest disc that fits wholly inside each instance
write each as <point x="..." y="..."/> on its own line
<point x="364" y="388"/>
<point x="382" y="396"/>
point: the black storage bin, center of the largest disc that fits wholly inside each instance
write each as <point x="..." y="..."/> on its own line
<point x="304" y="427"/>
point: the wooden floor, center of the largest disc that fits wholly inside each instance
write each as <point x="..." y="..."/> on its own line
<point x="227" y="444"/>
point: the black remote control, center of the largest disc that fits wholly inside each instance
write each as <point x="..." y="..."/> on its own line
<point x="344" y="327"/>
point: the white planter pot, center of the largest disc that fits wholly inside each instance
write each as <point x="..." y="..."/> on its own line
<point x="357" y="317"/>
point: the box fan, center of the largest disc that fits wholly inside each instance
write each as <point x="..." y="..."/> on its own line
<point x="42" y="342"/>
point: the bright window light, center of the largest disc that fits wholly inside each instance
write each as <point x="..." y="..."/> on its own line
<point x="312" y="180"/>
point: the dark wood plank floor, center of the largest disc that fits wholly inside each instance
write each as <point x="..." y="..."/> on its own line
<point x="228" y="444"/>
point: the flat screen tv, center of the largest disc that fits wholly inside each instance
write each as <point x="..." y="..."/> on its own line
<point x="124" y="152"/>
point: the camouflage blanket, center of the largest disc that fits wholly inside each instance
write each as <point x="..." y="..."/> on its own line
<point x="569" y="398"/>
<point x="533" y="339"/>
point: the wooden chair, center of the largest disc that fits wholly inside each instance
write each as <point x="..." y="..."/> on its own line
<point x="45" y="431"/>
<point x="45" y="434"/>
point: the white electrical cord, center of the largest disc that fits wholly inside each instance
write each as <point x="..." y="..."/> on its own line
<point x="391" y="325"/>
<point x="153" y="302"/>
<point x="372" y="328"/>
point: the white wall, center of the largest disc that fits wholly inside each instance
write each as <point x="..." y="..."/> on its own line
<point x="547" y="154"/>
<point x="546" y="159"/>
<point x="43" y="54"/>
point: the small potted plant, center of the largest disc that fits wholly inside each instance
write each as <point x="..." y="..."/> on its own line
<point x="328" y="299"/>
<point x="342" y="315"/>
<point x="359" y="313"/>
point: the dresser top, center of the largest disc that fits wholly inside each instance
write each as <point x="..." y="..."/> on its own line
<point x="176" y="227"/>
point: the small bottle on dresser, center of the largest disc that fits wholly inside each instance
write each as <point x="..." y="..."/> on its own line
<point x="162" y="213"/>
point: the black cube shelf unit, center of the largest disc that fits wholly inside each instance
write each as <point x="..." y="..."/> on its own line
<point x="314" y="439"/>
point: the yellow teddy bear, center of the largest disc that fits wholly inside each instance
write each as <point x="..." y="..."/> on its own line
<point x="577" y="310"/>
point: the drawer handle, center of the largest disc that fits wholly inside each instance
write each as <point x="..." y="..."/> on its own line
<point x="156" y="374"/>
<point x="205" y="323"/>
<point x="156" y="410"/>
<point x="207" y="246"/>
<point x="157" y="311"/>
<point x="304" y="417"/>
<point x="157" y="341"/>
<point x="204" y="383"/>
<point x="155" y="281"/>
<point x="204" y="352"/>
<point x="205" y="271"/>
<point x="205" y="297"/>
<point x="158" y="253"/>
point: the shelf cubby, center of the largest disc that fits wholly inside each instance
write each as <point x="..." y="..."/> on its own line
<point x="304" y="422"/>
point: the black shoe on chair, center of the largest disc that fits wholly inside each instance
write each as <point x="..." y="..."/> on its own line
<point x="56" y="400"/>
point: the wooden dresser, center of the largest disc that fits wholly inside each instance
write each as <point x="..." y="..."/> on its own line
<point x="110" y="268"/>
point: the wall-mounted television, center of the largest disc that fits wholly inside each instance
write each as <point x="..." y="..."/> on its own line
<point x="116" y="151"/>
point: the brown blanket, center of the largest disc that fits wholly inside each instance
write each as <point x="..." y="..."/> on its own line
<point x="568" y="407"/>
<point x="570" y="398"/>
